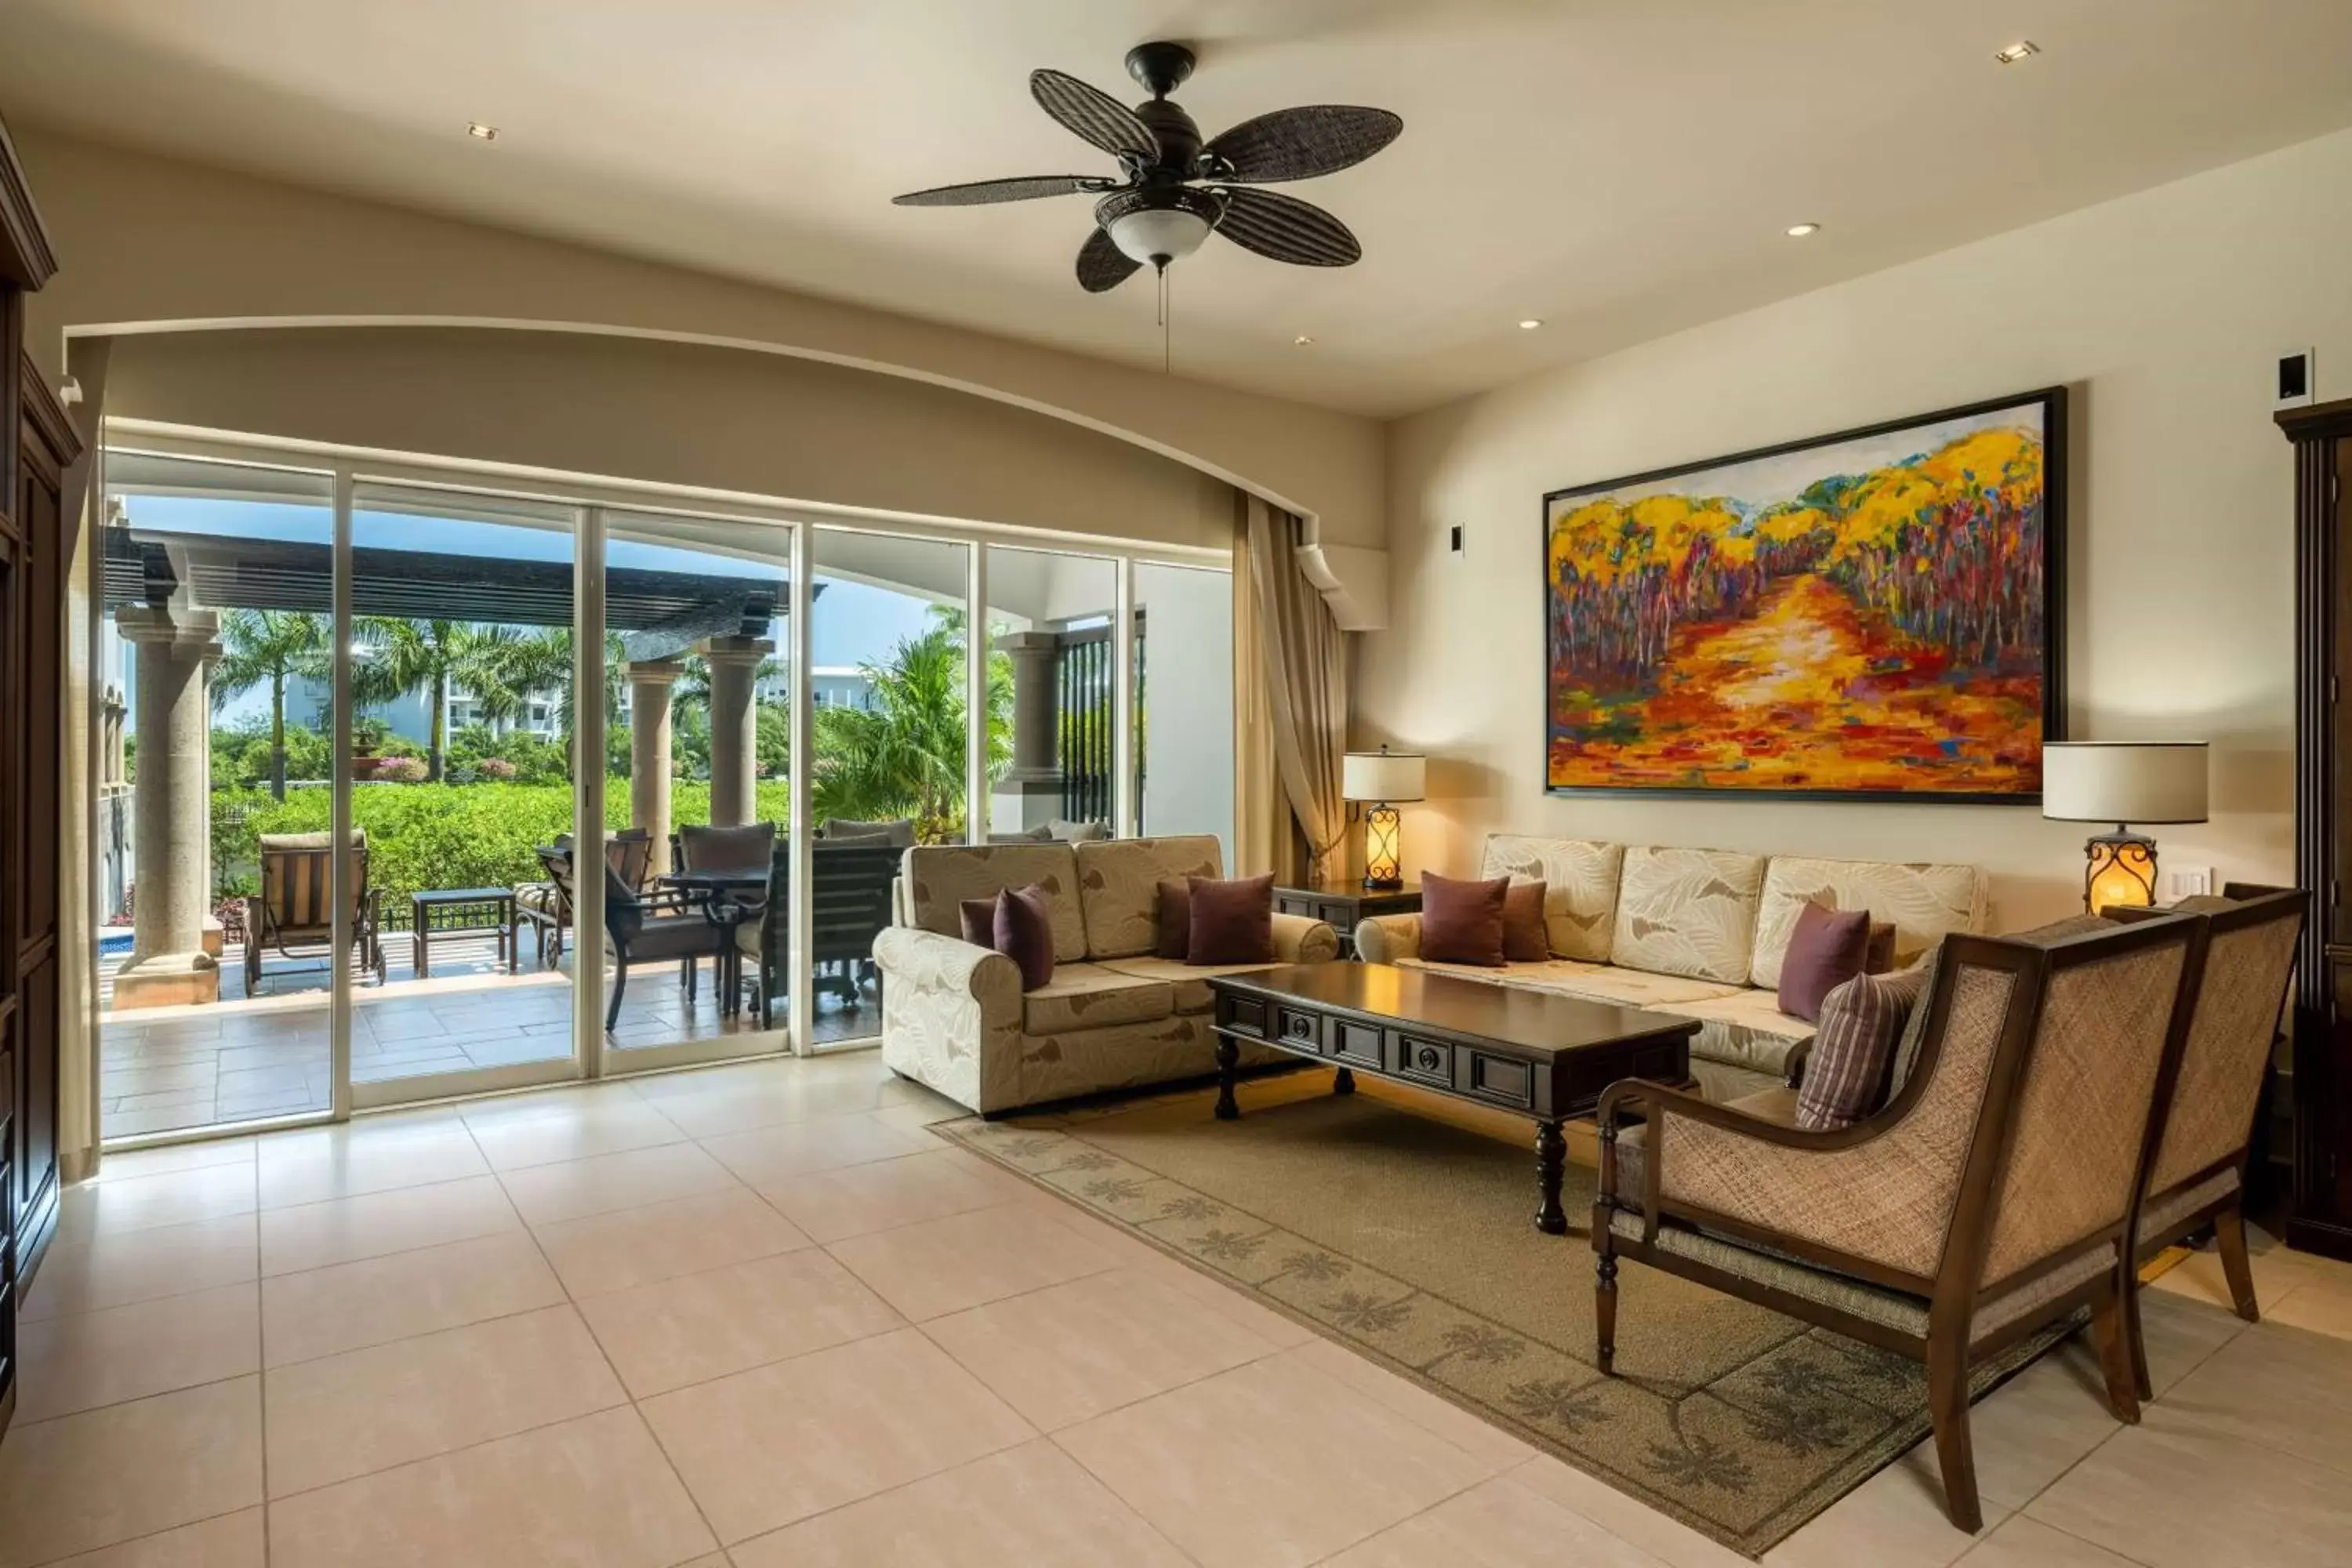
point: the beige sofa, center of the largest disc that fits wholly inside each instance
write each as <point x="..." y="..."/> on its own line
<point x="1699" y="932"/>
<point x="954" y="1016"/>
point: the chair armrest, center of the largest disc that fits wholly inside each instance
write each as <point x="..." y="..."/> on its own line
<point x="1301" y="938"/>
<point x="924" y="962"/>
<point x="1384" y="939"/>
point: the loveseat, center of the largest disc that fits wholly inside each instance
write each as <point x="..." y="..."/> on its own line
<point x="1115" y="1016"/>
<point x="1698" y="932"/>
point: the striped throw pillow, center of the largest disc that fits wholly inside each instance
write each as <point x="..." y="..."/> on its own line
<point x="1846" y="1073"/>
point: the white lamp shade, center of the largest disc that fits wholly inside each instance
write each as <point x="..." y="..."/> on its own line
<point x="1384" y="775"/>
<point x="2124" y="781"/>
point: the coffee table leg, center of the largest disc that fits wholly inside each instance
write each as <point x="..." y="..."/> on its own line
<point x="1344" y="1082"/>
<point x="1551" y="1158"/>
<point x="1229" y="1058"/>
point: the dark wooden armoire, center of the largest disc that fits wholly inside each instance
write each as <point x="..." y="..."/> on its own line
<point x="2321" y="1220"/>
<point x="35" y="538"/>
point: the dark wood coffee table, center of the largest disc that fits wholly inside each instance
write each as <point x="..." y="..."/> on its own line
<point x="1532" y="1053"/>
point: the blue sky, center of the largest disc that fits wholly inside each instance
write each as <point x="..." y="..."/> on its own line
<point x="854" y="624"/>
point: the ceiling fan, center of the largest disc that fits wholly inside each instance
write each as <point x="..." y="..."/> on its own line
<point x="1174" y="187"/>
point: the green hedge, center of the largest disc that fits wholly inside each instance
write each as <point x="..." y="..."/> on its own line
<point x="424" y="836"/>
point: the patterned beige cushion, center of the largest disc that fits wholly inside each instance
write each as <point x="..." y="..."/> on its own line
<point x="1746" y="1029"/>
<point x="1188" y="982"/>
<point x="540" y="896"/>
<point x="939" y="876"/>
<point x="1088" y="996"/>
<point x="1925" y="903"/>
<point x="1118" y="886"/>
<point x="1889" y="1308"/>
<point x="1687" y="911"/>
<point x="1579" y="878"/>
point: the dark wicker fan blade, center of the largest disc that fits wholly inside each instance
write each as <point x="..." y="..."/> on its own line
<point x="1300" y="144"/>
<point x="1287" y="229"/>
<point x="1102" y="265"/>
<point x="1092" y="113"/>
<point x="1025" y="189"/>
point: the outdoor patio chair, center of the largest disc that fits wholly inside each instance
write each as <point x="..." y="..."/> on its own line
<point x="745" y="847"/>
<point x="643" y="928"/>
<point x="1988" y="1201"/>
<point x="2199" y="1174"/>
<point x="546" y="905"/>
<point x="295" y="908"/>
<point x="850" y="903"/>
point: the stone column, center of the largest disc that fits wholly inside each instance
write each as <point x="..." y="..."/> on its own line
<point x="649" y="743"/>
<point x="1030" y="792"/>
<point x="172" y="896"/>
<point x="734" y="665"/>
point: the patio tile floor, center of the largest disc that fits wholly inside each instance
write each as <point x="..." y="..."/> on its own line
<point x="263" y="1054"/>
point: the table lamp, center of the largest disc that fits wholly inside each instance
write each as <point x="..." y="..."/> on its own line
<point x="1382" y="778"/>
<point x="2122" y="782"/>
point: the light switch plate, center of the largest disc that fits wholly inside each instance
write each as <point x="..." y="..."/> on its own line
<point x="2187" y="882"/>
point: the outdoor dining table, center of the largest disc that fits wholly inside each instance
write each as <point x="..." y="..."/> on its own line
<point x="715" y="892"/>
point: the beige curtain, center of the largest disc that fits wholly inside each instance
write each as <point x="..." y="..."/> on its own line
<point x="1298" y="647"/>
<point x="1265" y="837"/>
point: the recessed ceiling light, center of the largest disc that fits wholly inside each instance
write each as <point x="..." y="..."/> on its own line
<point x="1799" y="230"/>
<point x="1302" y="341"/>
<point x="2017" y="51"/>
<point x="1530" y="324"/>
<point x="481" y="133"/>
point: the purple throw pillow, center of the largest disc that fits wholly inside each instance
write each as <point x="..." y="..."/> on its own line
<point x="1232" y="921"/>
<point x="1526" y="938"/>
<point x="1461" y="922"/>
<point x="1827" y="948"/>
<point x="1175" y="920"/>
<point x="979" y="917"/>
<point x="1023" y="929"/>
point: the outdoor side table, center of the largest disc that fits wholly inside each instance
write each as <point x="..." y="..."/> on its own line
<point x="462" y="911"/>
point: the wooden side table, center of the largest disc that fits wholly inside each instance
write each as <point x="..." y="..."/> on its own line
<point x="1342" y="904"/>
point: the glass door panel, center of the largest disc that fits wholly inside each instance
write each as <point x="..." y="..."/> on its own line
<point x="1049" y="623"/>
<point x="1185" y="701"/>
<point x="462" y="790"/>
<point x="887" y="685"/>
<point x="214" y="723"/>
<point x="697" y="785"/>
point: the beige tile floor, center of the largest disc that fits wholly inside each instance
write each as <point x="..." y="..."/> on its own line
<point x="758" y="1316"/>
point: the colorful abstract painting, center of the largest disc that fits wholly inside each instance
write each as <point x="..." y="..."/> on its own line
<point x="1864" y="615"/>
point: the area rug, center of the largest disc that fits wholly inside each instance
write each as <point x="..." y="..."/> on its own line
<point x="1407" y="1237"/>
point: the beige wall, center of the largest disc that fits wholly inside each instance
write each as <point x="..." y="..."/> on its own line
<point x="142" y="239"/>
<point x="676" y="413"/>
<point x="2164" y="312"/>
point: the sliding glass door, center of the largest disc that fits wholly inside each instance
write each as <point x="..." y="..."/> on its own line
<point x="463" y="791"/>
<point x="416" y="783"/>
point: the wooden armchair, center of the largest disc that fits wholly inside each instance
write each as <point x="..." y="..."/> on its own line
<point x="2198" y="1176"/>
<point x="1989" y="1199"/>
<point x="295" y="908"/>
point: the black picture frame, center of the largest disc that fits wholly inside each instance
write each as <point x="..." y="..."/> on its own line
<point x="2056" y="456"/>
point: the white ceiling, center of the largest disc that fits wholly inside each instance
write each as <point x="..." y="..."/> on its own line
<point x="1619" y="168"/>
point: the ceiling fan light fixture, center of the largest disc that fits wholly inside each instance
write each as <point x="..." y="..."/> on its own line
<point x="1158" y="236"/>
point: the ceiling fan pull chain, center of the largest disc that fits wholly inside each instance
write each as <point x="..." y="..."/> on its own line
<point x="1167" y="327"/>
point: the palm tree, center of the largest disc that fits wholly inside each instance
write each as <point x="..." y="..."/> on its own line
<point x="406" y="656"/>
<point x="272" y="646"/>
<point x="904" y="756"/>
<point x="542" y="661"/>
